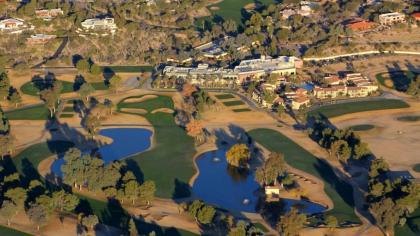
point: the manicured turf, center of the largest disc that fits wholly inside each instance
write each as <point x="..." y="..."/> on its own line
<point x="127" y="69"/>
<point x="340" y="192"/>
<point x="170" y="162"/>
<point x="416" y="168"/>
<point x="149" y="104"/>
<point x="411" y="227"/>
<point x="409" y="118"/>
<point x="232" y="9"/>
<point x="38" y="112"/>
<point x="28" y="160"/>
<point x="399" y="79"/>
<point x="68" y="109"/>
<point x="30" y="88"/>
<point x="224" y="96"/>
<point x="233" y="103"/>
<point x="4" y="231"/>
<point x="241" y="110"/>
<point x="66" y="115"/>
<point x="363" y="127"/>
<point x="353" y="107"/>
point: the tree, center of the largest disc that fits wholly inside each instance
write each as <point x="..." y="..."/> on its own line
<point x="15" y="98"/>
<point x="8" y="210"/>
<point x="387" y="214"/>
<point x="83" y="65"/>
<point x="132" y="228"/>
<point x="86" y="90"/>
<point x="272" y="168"/>
<point x="281" y="111"/>
<point x="238" y="155"/>
<point x="147" y="191"/>
<point x="131" y="190"/>
<point x="188" y="90"/>
<point x="341" y="150"/>
<point x="331" y="222"/>
<point x="90" y="221"/>
<point x="50" y="98"/>
<point x="64" y="201"/>
<point x="291" y="223"/>
<point x="206" y="214"/>
<point x="4" y="85"/>
<point x="4" y="123"/>
<point x="114" y="83"/>
<point x="194" y="129"/>
<point x="18" y="195"/>
<point x="92" y="124"/>
<point x="38" y="214"/>
<point x="95" y="70"/>
<point x="361" y="150"/>
<point x="7" y="144"/>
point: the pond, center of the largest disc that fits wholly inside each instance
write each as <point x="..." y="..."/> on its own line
<point x="126" y="142"/>
<point x="227" y="188"/>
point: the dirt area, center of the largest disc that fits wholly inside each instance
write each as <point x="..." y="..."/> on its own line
<point x="392" y="138"/>
<point x="134" y="110"/>
<point x="164" y="110"/>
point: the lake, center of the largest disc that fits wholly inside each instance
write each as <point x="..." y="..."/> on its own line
<point x="126" y="142"/>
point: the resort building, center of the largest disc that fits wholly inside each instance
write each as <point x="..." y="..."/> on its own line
<point x="391" y="18"/>
<point x="299" y="101"/>
<point x="106" y="24"/>
<point x="213" y="50"/>
<point x="37" y="39"/>
<point x="48" y="14"/>
<point x="14" y="26"/>
<point x="257" y="68"/>
<point x="330" y="92"/>
<point x="202" y="71"/>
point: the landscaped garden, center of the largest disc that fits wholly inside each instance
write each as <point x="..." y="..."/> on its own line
<point x="241" y="110"/>
<point x="340" y="109"/>
<point x="340" y="192"/>
<point x="169" y="163"/>
<point x="398" y="80"/>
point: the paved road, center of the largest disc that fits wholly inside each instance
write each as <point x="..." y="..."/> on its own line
<point x="56" y="54"/>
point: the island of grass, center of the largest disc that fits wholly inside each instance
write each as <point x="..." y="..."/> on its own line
<point x="409" y="118"/>
<point x="362" y="127"/>
<point x="398" y="80"/>
<point x="170" y="162"/>
<point x="340" y="192"/>
<point x="340" y="109"/>
<point x="33" y="88"/>
<point x="37" y="112"/>
<point x="241" y="110"/>
<point x="233" y="103"/>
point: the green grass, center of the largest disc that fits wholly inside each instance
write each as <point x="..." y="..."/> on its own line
<point x="232" y="9"/>
<point x="224" y="96"/>
<point x="416" y="168"/>
<point x="128" y="69"/>
<point x="261" y="227"/>
<point x="68" y="109"/>
<point x="38" y="112"/>
<point x="170" y="162"/>
<point x="340" y="192"/>
<point x="241" y="110"/>
<point x="400" y="79"/>
<point x="362" y="127"/>
<point x="11" y="232"/>
<point x="353" y="107"/>
<point x="66" y="115"/>
<point x="29" y="88"/>
<point x="411" y="227"/>
<point x="409" y="118"/>
<point x="27" y="161"/>
<point x="233" y="103"/>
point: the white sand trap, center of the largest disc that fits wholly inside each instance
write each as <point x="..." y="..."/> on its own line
<point x="134" y="110"/>
<point x="164" y="110"/>
<point x="142" y="99"/>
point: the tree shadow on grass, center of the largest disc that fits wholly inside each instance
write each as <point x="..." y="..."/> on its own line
<point x="182" y="190"/>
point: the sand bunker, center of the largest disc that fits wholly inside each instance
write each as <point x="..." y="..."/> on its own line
<point x="164" y="110"/>
<point x="214" y="8"/>
<point x="141" y="99"/>
<point x="135" y="110"/>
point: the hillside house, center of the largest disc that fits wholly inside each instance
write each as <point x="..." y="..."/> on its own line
<point x="391" y="18"/>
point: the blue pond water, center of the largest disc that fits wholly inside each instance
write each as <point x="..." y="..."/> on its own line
<point x="126" y="142"/>
<point x="219" y="185"/>
<point x="307" y="86"/>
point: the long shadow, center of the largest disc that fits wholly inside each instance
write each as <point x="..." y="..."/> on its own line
<point x="135" y="168"/>
<point x="399" y="77"/>
<point x="182" y="189"/>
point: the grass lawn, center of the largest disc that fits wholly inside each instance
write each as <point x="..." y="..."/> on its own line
<point x="66" y="115"/>
<point x="340" y="192"/>
<point x="241" y="110"/>
<point x="416" y="168"/>
<point x="11" y="232"/>
<point x="398" y="80"/>
<point x="412" y="227"/>
<point x="170" y="162"/>
<point x="233" y="103"/>
<point x="409" y="118"/>
<point x="224" y="96"/>
<point x="29" y="88"/>
<point x="127" y="69"/>
<point x="38" y="112"/>
<point x="68" y="109"/>
<point x="232" y="9"/>
<point x="353" y="107"/>
<point x="149" y="104"/>
<point x="362" y="127"/>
